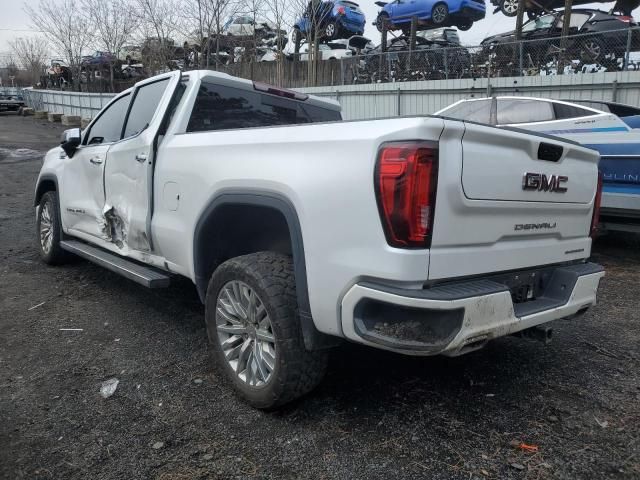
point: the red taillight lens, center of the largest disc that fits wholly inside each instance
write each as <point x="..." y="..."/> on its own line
<point x="406" y="179"/>
<point x="625" y="19"/>
<point x="595" y="219"/>
<point x="340" y="10"/>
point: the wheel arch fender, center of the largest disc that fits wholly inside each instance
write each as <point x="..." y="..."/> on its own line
<point x="263" y="199"/>
<point x="44" y="184"/>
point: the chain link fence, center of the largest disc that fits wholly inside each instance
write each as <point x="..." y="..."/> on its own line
<point x="576" y="54"/>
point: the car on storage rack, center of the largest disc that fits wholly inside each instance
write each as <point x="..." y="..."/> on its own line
<point x="597" y="37"/>
<point x="397" y="15"/>
<point x="299" y="230"/>
<point x="601" y="130"/>
<point x="535" y="8"/>
<point x="431" y="60"/>
<point x="330" y="19"/>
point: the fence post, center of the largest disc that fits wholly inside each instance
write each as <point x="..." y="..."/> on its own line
<point x="445" y="52"/>
<point x="614" y="91"/>
<point x="342" y="72"/>
<point x="520" y="60"/>
<point x="398" y="93"/>
<point x="626" y="55"/>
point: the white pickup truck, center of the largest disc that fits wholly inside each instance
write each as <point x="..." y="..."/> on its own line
<point x="420" y="235"/>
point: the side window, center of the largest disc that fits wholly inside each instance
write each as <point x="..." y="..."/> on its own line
<point x="523" y="111"/>
<point x="577" y="20"/>
<point x="569" y="111"/>
<point x="222" y="108"/>
<point x="108" y="127"/>
<point x="474" y="111"/>
<point x="144" y="107"/>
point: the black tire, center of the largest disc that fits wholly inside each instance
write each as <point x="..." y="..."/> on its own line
<point x="49" y="212"/>
<point x="465" y="25"/>
<point x="331" y="30"/>
<point x="297" y="371"/>
<point x="382" y="19"/>
<point x="440" y="13"/>
<point x="509" y="8"/>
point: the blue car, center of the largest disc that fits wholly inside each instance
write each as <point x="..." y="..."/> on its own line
<point x="334" y="19"/>
<point x="397" y="15"/>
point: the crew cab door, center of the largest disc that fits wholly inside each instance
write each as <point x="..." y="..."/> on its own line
<point x="129" y="170"/>
<point x="82" y="189"/>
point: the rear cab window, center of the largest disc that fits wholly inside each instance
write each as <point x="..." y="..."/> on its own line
<point x="514" y="111"/>
<point x="473" y="111"/>
<point x="220" y="107"/>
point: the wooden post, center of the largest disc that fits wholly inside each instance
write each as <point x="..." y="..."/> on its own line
<point x="383" y="48"/>
<point x="412" y="40"/>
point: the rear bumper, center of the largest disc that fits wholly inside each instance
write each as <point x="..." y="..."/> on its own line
<point x="455" y="318"/>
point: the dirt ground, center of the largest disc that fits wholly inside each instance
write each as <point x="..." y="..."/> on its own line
<point x="376" y="416"/>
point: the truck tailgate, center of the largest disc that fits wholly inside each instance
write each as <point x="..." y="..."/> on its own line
<point x="501" y="207"/>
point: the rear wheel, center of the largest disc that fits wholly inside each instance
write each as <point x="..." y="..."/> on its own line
<point x="509" y="7"/>
<point x="382" y="21"/>
<point x="439" y="13"/>
<point x="49" y="230"/>
<point x="254" y="330"/>
<point x="331" y="30"/>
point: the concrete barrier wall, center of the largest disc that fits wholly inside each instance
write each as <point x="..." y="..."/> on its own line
<point x="406" y="98"/>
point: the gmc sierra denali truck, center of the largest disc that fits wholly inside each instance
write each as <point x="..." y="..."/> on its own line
<point x="421" y="235"/>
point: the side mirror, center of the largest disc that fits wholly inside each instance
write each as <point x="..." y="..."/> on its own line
<point x="70" y="140"/>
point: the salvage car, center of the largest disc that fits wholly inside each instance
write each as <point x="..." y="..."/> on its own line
<point x="536" y="8"/>
<point x="601" y="36"/>
<point x="603" y="131"/>
<point x="330" y="19"/>
<point x="10" y="103"/>
<point x="397" y="15"/>
<point x="299" y="230"/>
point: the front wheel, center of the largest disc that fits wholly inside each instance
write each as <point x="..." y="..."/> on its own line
<point x="254" y="330"/>
<point x="439" y="14"/>
<point x="509" y="8"/>
<point x="49" y="230"/>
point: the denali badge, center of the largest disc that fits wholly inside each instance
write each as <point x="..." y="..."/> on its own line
<point x="534" y="226"/>
<point x="540" y="182"/>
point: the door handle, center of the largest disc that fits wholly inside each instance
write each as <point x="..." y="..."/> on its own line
<point x="96" y="160"/>
<point x="141" y="157"/>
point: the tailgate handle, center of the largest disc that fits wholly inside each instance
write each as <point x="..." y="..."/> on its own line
<point x="549" y="152"/>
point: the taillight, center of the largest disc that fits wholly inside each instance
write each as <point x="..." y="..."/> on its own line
<point x="624" y="19"/>
<point x="340" y="10"/>
<point x="595" y="219"/>
<point x="406" y="178"/>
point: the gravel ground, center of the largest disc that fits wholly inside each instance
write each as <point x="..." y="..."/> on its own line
<point x="377" y="415"/>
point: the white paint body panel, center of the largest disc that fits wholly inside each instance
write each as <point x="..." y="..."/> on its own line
<point x="326" y="171"/>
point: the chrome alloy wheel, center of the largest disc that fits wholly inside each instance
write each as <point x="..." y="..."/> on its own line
<point x="439" y="14"/>
<point x="46" y="227"/>
<point x="510" y="7"/>
<point x="245" y="333"/>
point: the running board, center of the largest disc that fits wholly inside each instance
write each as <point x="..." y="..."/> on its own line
<point x="147" y="276"/>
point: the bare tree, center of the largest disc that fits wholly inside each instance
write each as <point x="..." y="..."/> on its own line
<point x="312" y="12"/>
<point x="65" y="29"/>
<point x="206" y="19"/>
<point x="159" y="22"/>
<point x="31" y="53"/>
<point x="278" y="14"/>
<point x="114" y="22"/>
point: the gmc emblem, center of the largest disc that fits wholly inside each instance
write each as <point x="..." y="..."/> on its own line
<point x="542" y="183"/>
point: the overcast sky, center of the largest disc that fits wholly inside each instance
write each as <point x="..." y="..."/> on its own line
<point x="14" y="22"/>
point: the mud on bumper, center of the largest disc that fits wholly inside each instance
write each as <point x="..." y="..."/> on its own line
<point x="455" y="318"/>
